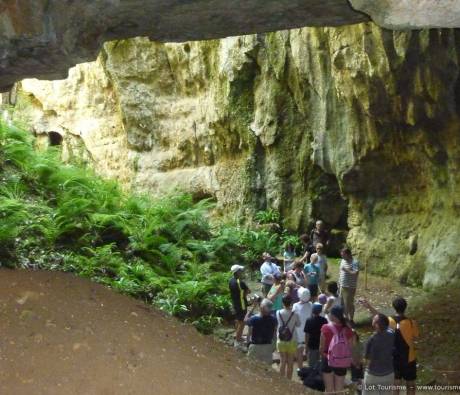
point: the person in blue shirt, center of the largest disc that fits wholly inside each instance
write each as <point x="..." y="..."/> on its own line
<point x="312" y="271"/>
<point x="263" y="327"/>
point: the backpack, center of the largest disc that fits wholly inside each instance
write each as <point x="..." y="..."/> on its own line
<point x="401" y="351"/>
<point x="339" y="352"/>
<point x="284" y="333"/>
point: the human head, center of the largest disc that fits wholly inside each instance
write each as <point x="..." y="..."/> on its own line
<point x="287" y="301"/>
<point x="298" y="266"/>
<point x="322" y="298"/>
<point x="332" y="288"/>
<point x="380" y="322"/>
<point x="305" y="239"/>
<point x="319" y="225"/>
<point x="317" y="309"/>
<point x="336" y="315"/>
<point x="346" y="254"/>
<point x="289" y="247"/>
<point x="278" y="277"/>
<point x="266" y="256"/>
<point x="314" y="258"/>
<point x="266" y="307"/>
<point x="291" y="284"/>
<point x="304" y="294"/>
<point x="400" y="305"/>
<point x="237" y="271"/>
<point x="319" y="248"/>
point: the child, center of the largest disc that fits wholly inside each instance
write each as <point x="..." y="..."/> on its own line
<point x="303" y="309"/>
<point x="292" y="290"/>
<point x="333" y="299"/>
<point x="288" y="256"/>
<point x="312" y="271"/>
<point x="288" y="320"/>
<point x="357" y="369"/>
<point x="322" y="300"/>
<point x="312" y="331"/>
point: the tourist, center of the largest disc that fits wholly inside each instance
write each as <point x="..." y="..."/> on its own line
<point x="238" y="292"/>
<point x="276" y="292"/>
<point x="297" y="275"/>
<point x="291" y="289"/>
<point x="322" y="262"/>
<point x="335" y="347"/>
<point x="406" y="332"/>
<point x="348" y="279"/>
<point x="268" y="271"/>
<point x="312" y="271"/>
<point x="263" y="327"/>
<point x="357" y="367"/>
<point x="319" y="235"/>
<point x="306" y="247"/>
<point x="312" y="331"/>
<point x="322" y="300"/>
<point x="333" y="298"/>
<point x="288" y="257"/>
<point x="288" y="320"/>
<point x="379" y="376"/>
<point x="303" y="309"/>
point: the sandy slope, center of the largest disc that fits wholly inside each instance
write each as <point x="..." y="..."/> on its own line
<point x="65" y="335"/>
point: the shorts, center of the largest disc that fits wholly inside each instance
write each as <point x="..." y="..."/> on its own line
<point x="325" y="368"/>
<point x="239" y="313"/>
<point x="289" y="347"/>
<point x="406" y="372"/>
<point x="300" y="345"/>
<point x="357" y="373"/>
<point x="313" y="288"/>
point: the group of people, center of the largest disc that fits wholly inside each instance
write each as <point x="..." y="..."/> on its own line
<point x="306" y="317"/>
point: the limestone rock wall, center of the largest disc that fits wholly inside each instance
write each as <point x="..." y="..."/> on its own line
<point x="353" y="122"/>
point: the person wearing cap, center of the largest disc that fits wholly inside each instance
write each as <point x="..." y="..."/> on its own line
<point x="268" y="270"/>
<point x="263" y="327"/>
<point x="303" y="309"/>
<point x="238" y="292"/>
<point x="312" y="331"/>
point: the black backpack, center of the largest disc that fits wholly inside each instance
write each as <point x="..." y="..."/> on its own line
<point x="284" y="333"/>
<point x="401" y="351"/>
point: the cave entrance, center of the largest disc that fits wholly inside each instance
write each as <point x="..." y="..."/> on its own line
<point x="54" y="139"/>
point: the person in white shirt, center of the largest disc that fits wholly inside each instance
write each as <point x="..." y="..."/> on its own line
<point x="303" y="309"/>
<point x="268" y="270"/>
<point x="349" y="271"/>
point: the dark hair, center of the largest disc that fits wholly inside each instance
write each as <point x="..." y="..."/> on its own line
<point x="287" y="300"/>
<point x="332" y="287"/>
<point x="383" y="321"/>
<point x="305" y="238"/>
<point x="400" y="305"/>
<point x="337" y="312"/>
<point x="289" y="246"/>
<point x="298" y="264"/>
<point x="346" y="251"/>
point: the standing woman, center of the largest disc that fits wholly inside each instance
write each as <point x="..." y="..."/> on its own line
<point x="277" y="291"/>
<point x="335" y="345"/>
<point x="288" y="257"/>
<point x="288" y="321"/>
<point x="297" y="275"/>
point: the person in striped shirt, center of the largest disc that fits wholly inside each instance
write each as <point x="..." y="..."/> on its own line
<point x="348" y="280"/>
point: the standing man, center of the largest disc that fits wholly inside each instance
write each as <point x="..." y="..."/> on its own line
<point x="238" y="292"/>
<point x="263" y="327"/>
<point x="268" y="270"/>
<point x="379" y="376"/>
<point x="349" y="270"/>
<point x="319" y="235"/>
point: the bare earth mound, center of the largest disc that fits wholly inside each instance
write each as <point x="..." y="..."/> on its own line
<point x="65" y="335"/>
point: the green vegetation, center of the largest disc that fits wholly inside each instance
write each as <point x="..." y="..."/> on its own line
<point x="58" y="216"/>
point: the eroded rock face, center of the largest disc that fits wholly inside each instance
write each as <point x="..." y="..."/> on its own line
<point x="296" y="120"/>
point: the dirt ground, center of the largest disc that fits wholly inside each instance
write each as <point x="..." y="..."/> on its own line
<point x="65" y="335"/>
